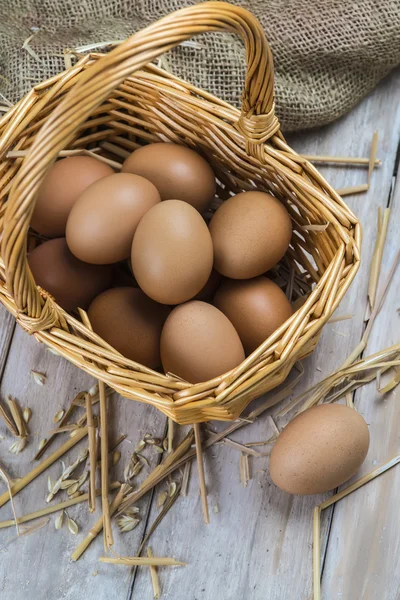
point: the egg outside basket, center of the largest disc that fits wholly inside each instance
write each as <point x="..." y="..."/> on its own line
<point x="119" y="101"/>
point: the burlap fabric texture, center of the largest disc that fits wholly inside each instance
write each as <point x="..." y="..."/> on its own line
<point x="328" y="53"/>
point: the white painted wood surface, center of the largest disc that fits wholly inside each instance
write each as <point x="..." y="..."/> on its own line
<point x="258" y="546"/>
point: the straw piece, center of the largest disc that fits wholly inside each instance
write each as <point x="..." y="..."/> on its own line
<point x="170" y="434"/>
<point x="136" y="561"/>
<point x="92" y="453"/>
<point x="348" y="160"/>
<point x="185" y="479"/>
<point x="55" y="507"/>
<point x="391" y="384"/>
<point x="372" y="155"/>
<point x="241" y="447"/>
<point x="376" y="261"/>
<point x="349" y="400"/>
<point x="317" y="553"/>
<point x="355" y="189"/>
<point x="17" y="416"/>
<point x="200" y="467"/>
<point x="9" y="422"/>
<point x="341" y="318"/>
<point x="108" y="536"/>
<point x="7" y="481"/>
<point x="24" y="481"/>
<point x="154" y="577"/>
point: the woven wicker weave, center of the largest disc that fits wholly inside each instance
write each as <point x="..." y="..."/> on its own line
<point x="119" y="101"/>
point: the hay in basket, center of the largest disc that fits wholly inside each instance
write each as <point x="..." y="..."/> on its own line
<point x="119" y="101"/>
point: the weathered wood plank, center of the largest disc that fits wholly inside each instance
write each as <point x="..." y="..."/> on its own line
<point x="363" y="558"/>
<point x="39" y="565"/>
<point x="259" y="545"/>
<point x="6" y="332"/>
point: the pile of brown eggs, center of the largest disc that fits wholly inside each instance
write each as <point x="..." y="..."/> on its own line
<point x="159" y="284"/>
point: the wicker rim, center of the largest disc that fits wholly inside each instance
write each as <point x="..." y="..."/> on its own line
<point x="244" y="132"/>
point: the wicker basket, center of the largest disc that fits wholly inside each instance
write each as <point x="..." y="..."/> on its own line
<point x="119" y="101"/>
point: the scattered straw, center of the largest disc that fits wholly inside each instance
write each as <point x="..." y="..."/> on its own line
<point x="136" y="561"/>
<point x="241" y="447"/>
<point x="9" y="422"/>
<point x="244" y="469"/>
<point x="185" y="479"/>
<point x="154" y="577"/>
<point x="372" y="155"/>
<point x="108" y="536"/>
<point x="376" y="261"/>
<point x="338" y="318"/>
<point x="16" y="414"/>
<point x="7" y="481"/>
<point x="170" y="434"/>
<point x="167" y="506"/>
<point x="347" y="160"/>
<point x="355" y="189"/>
<point x="317" y="553"/>
<point x="200" y="467"/>
<point x="92" y="453"/>
<point x="24" y="481"/>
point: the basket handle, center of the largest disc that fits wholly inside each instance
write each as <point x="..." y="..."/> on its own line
<point x="257" y="121"/>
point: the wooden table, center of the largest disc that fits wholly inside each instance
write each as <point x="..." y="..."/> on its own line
<point x="259" y="543"/>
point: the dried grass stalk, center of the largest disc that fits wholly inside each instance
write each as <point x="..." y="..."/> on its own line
<point x="24" y="481"/>
<point x="17" y="416"/>
<point x="347" y="160"/>
<point x="7" y="481"/>
<point x="136" y="561"/>
<point x="170" y="434"/>
<point x="108" y="536"/>
<point x="372" y="155"/>
<point x="154" y="577"/>
<point x="200" y="467"/>
<point x="167" y="506"/>
<point x="355" y="189"/>
<point x="241" y="447"/>
<point x="376" y="262"/>
<point x="9" y="422"/>
<point x="341" y="318"/>
<point x="185" y="478"/>
<point x="317" y="553"/>
<point x="92" y="453"/>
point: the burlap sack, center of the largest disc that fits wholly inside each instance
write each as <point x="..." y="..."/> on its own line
<point x="328" y="53"/>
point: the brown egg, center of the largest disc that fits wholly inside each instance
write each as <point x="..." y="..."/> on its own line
<point x="250" y="232"/>
<point x="70" y="281"/>
<point x="319" y="450"/>
<point x="199" y="343"/>
<point x="102" y="223"/>
<point x="61" y="188"/>
<point x="172" y="252"/>
<point x="255" y="307"/>
<point x="176" y="171"/>
<point x="130" y="322"/>
<point x="208" y="291"/>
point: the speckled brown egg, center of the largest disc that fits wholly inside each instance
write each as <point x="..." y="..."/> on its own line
<point x="102" y="222"/>
<point x="199" y="343"/>
<point x="61" y="188"/>
<point x="176" y="171"/>
<point x="255" y="307"/>
<point x="319" y="450"/>
<point x="70" y="281"/>
<point x="250" y="232"/>
<point x="130" y="322"/>
<point x="172" y="252"/>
